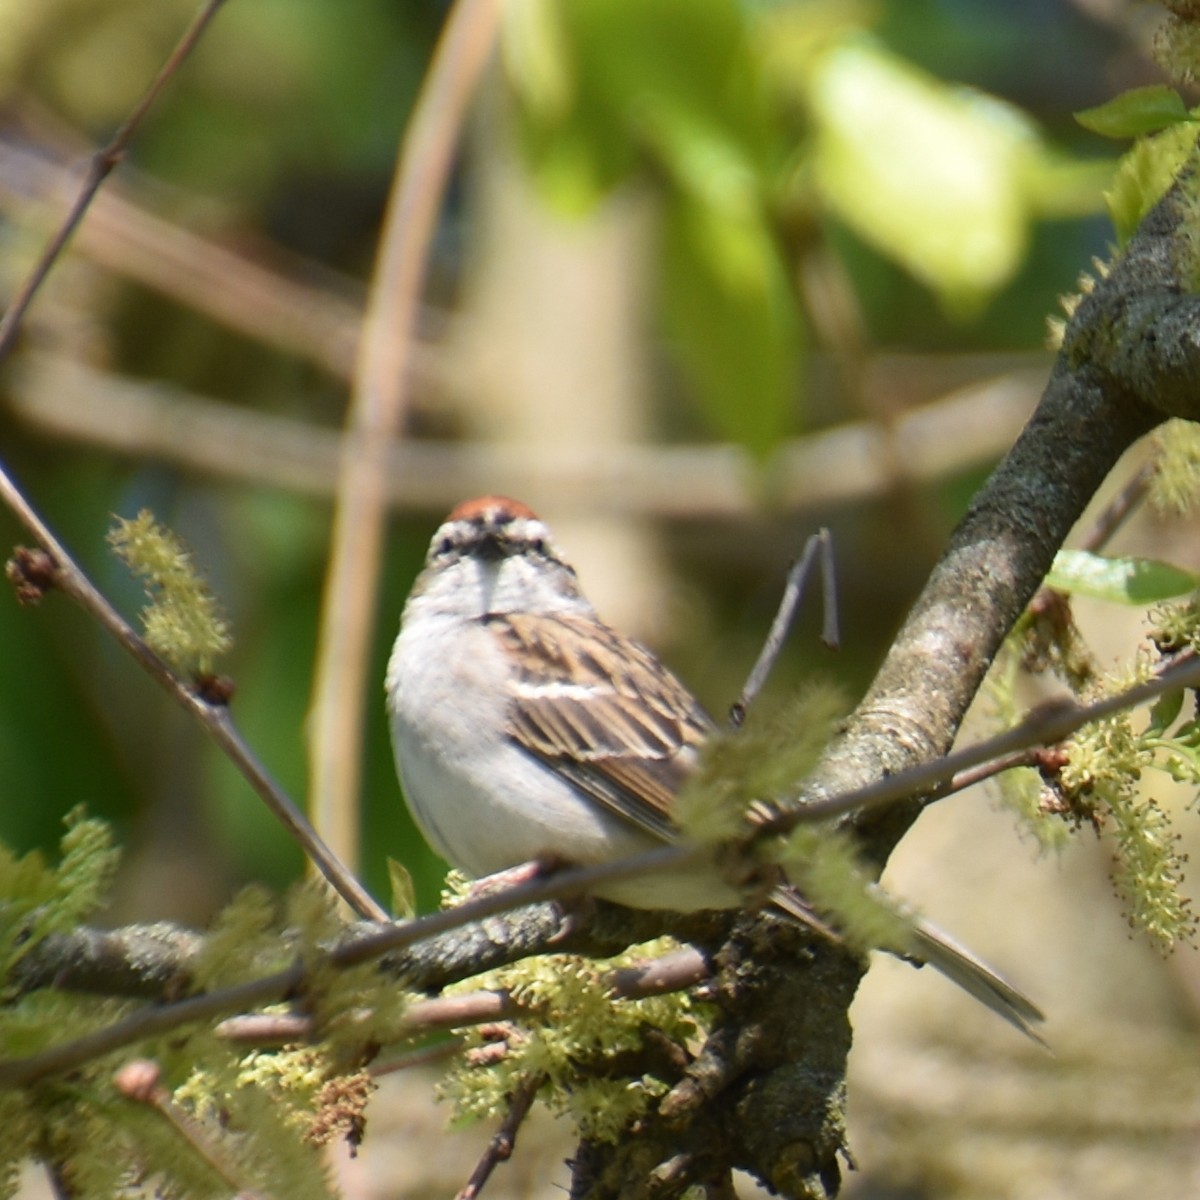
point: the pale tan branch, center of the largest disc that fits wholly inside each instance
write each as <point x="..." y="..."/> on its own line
<point x="653" y="977"/>
<point x="260" y="291"/>
<point x="102" y="164"/>
<point x="968" y="427"/>
<point x="60" y="572"/>
<point x="377" y="405"/>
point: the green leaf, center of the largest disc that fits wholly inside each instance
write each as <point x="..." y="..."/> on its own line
<point x="1164" y="712"/>
<point x="933" y="176"/>
<point x="674" y="92"/>
<point x="404" y="892"/>
<point x="1144" y="174"/>
<point x="536" y="58"/>
<point x="1138" y="111"/>
<point x="609" y="87"/>
<point x="1118" y="580"/>
<point x="733" y="321"/>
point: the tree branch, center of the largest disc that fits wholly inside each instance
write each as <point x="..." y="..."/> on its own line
<point x="56" y="569"/>
<point x="1115" y="379"/>
<point x="971" y="425"/>
<point x="380" y="390"/>
<point x="103" y="162"/>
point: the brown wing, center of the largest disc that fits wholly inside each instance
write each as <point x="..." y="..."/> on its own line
<point x="604" y="712"/>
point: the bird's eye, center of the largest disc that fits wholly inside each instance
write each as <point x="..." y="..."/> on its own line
<point x="538" y="545"/>
<point x="445" y="546"/>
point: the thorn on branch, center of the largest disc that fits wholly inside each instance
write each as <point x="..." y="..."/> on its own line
<point x="32" y="573"/>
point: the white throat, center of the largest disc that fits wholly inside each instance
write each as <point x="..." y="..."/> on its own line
<point x="473" y="586"/>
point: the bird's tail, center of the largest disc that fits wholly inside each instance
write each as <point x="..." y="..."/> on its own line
<point x="957" y="963"/>
<point x="937" y="948"/>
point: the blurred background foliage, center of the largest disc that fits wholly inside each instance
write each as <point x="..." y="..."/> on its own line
<point x="711" y="273"/>
<point x="735" y="222"/>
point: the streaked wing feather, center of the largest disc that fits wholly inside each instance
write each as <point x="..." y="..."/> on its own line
<point x="603" y="711"/>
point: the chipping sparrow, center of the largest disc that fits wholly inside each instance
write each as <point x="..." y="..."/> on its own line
<point x="525" y="726"/>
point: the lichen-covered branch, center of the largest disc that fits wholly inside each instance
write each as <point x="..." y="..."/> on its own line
<point x="1131" y="359"/>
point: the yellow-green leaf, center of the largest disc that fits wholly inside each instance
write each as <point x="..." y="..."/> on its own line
<point x="1133" y="113"/>
<point x="404" y="892"/>
<point x="1144" y="174"/>
<point x="931" y="175"/>
<point x="1135" y="581"/>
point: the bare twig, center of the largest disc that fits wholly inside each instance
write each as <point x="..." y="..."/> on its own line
<point x="820" y="543"/>
<point x="424" y="1057"/>
<point x="1119" y="508"/>
<point x="147" y="1022"/>
<point x="500" y="1148"/>
<point x="154" y="1019"/>
<point x="101" y="166"/>
<point x="1046" y="726"/>
<point x="380" y="390"/>
<point x="963" y="428"/>
<point x="215" y="719"/>
<point x="989" y="770"/>
<point x="655" y="977"/>
<point x="312" y="314"/>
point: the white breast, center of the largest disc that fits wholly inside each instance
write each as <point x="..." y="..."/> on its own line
<point x="482" y="801"/>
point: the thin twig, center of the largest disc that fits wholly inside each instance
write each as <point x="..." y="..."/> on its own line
<point x="215" y="719"/>
<point x="989" y="770"/>
<point x="1046" y="726"/>
<point x="1119" y="508"/>
<point x="381" y="387"/>
<point x="818" y="549"/>
<point x="259" y="291"/>
<point x="102" y="164"/>
<point x="655" y="977"/>
<point x="424" y="1057"/>
<point x="154" y="1019"/>
<point x="501" y="1146"/>
<point x="73" y="400"/>
<point x="146" y="1022"/>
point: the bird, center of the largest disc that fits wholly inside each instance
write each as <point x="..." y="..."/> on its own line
<point x="524" y="727"/>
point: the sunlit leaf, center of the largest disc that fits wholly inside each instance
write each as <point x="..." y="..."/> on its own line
<point x="1118" y="580"/>
<point x="1144" y="174"/>
<point x="931" y="175"/>
<point x="1164" y="712"/>
<point x="633" y="84"/>
<point x="404" y="892"/>
<point x="536" y="57"/>
<point x="672" y="94"/>
<point x="733" y="321"/>
<point x="1138" y="111"/>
